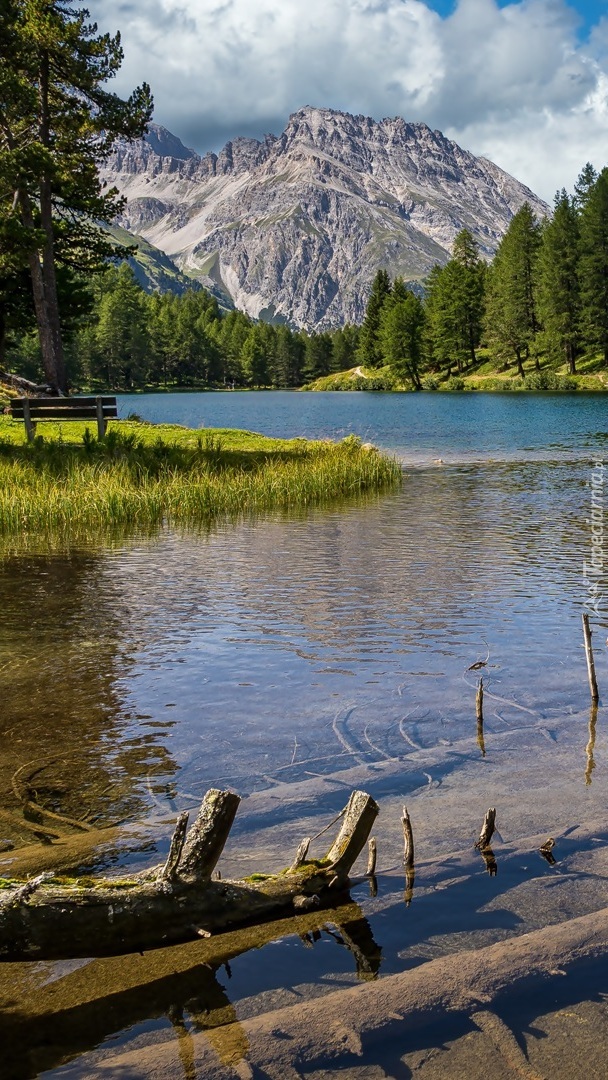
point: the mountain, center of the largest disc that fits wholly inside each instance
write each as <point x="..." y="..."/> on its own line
<point x="156" y="272"/>
<point x="295" y="227"/>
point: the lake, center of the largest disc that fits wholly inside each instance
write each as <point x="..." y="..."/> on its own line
<point x="295" y="657"/>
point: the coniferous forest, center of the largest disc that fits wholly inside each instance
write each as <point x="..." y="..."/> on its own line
<point x="539" y="307"/>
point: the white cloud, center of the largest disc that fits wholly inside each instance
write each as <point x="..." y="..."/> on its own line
<point x="514" y="83"/>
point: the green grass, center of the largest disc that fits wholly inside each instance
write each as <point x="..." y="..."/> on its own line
<point x="486" y="375"/>
<point x="358" y="378"/>
<point x="142" y="475"/>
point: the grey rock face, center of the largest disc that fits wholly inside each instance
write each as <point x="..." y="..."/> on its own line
<point x="297" y="226"/>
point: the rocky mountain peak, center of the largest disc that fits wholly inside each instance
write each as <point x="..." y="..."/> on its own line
<point x="164" y="144"/>
<point x="296" y="227"/>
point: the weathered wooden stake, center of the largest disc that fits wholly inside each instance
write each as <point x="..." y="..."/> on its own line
<point x="479" y="703"/>
<point x="589" y="654"/>
<point x="408" y="839"/>
<point x="487" y="829"/>
<point x="372" y="854"/>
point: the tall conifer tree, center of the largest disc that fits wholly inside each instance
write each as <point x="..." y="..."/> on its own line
<point x="558" y="280"/>
<point x="369" y="351"/>
<point x="511" y="319"/>
<point x="57" y="124"/>
<point x="594" y="265"/>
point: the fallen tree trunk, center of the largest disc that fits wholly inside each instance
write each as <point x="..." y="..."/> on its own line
<point x="290" y="1042"/>
<point x="19" y="383"/>
<point x="53" y="917"/>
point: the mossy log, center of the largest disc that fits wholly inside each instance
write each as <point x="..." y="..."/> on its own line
<point x="51" y="917"/>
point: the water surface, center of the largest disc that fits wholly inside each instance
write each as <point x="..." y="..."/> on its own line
<point x="293" y="657"/>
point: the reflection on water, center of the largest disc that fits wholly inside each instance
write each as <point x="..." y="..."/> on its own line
<point x="283" y="651"/>
<point x="272" y="651"/>
<point x="192" y="987"/>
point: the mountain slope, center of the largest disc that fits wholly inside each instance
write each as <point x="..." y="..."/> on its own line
<point x="295" y="227"/>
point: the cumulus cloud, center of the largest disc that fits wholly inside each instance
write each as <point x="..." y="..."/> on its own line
<point x="515" y="83"/>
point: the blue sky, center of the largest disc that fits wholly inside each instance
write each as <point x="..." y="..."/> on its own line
<point x="589" y="11"/>
<point x="524" y="83"/>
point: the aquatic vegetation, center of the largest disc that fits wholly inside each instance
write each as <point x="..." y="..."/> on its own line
<point x="145" y="475"/>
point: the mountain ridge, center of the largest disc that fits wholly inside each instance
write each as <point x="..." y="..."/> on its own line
<point x="294" y="227"/>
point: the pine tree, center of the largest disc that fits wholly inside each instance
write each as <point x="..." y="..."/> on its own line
<point x="253" y="359"/>
<point x="594" y="265"/>
<point x="123" y="344"/>
<point x="584" y="184"/>
<point x="369" y="351"/>
<point x="317" y="356"/>
<point x="57" y="125"/>
<point x="345" y="343"/>
<point x="511" y="320"/>
<point x="455" y="304"/>
<point x="559" y="302"/>
<point x="401" y="336"/>
<point x="289" y="356"/>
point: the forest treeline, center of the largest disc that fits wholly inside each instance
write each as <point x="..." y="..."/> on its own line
<point x="544" y="299"/>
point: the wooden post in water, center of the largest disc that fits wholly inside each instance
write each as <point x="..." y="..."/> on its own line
<point x="372" y="854"/>
<point x="479" y="713"/>
<point x="589" y="654"/>
<point x="487" y="829"/>
<point x="408" y="839"/>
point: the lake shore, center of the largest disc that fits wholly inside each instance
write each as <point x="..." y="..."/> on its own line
<point x="144" y="474"/>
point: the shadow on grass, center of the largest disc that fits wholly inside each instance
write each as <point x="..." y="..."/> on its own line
<point x="152" y="459"/>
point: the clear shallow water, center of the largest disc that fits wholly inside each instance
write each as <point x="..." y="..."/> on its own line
<point x="291" y="650"/>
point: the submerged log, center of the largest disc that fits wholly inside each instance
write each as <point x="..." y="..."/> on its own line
<point x="63" y="917"/>
<point x="327" y="1031"/>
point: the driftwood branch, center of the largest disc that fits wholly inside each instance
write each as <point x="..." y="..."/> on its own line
<point x="595" y="694"/>
<point x="301" y="853"/>
<point x="205" y="841"/>
<point x="361" y="812"/>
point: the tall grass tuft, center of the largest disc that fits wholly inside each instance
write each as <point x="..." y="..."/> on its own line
<point x="125" y="480"/>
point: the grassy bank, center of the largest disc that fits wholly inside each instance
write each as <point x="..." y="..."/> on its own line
<point x="484" y="376"/>
<point x="144" y="474"/>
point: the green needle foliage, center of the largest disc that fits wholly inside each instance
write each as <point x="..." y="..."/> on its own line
<point x="511" y="319"/>
<point x="58" y="123"/>
<point x="559" y="300"/>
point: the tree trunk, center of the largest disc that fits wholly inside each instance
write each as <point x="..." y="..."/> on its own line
<point x="520" y="367"/>
<point x="48" y="315"/>
<point x="52" y="916"/>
